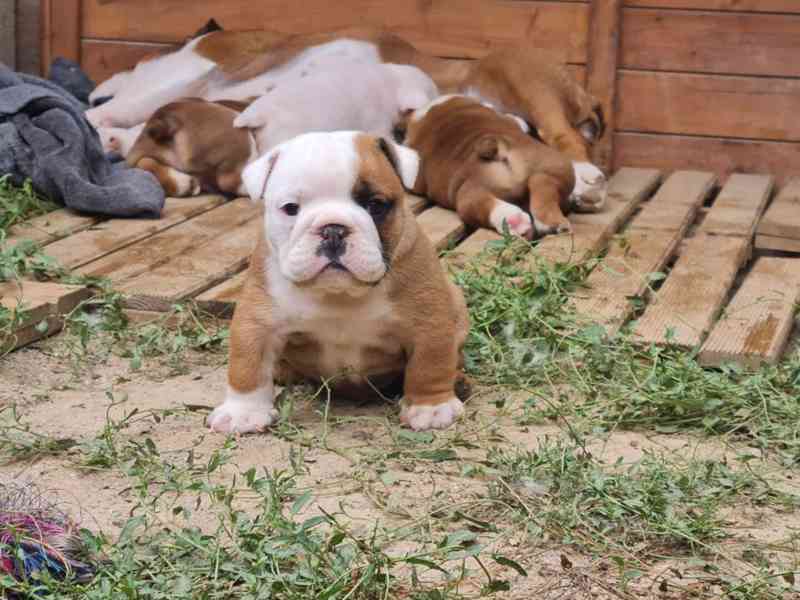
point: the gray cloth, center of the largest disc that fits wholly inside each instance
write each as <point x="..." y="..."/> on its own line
<point x="44" y="136"/>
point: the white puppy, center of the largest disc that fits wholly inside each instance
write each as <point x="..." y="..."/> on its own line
<point x="346" y="96"/>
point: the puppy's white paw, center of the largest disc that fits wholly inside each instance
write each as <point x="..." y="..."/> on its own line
<point x="436" y="416"/>
<point x="186" y="185"/>
<point x="243" y="413"/>
<point x="590" y="190"/>
<point x="518" y="221"/>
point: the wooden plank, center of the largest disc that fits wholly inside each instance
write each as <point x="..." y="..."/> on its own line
<point x="624" y="275"/>
<point x="684" y="309"/>
<point x="722" y="156"/>
<point x="756" y="324"/>
<point x="590" y="232"/>
<point x="138" y="258"/>
<point x="41" y="302"/>
<point x="734" y="43"/>
<point x="190" y="273"/>
<point x="648" y="243"/>
<point x="50" y="227"/>
<point x="61" y="30"/>
<point x="709" y="105"/>
<point x="782" y="218"/>
<point x="112" y="235"/>
<point x="738" y="206"/>
<point x="443" y="227"/>
<point x="29" y="36"/>
<point x="675" y="205"/>
<point x="101" y="59"/>
<point x="604" y="41"/>
<point x="781" y="244"/>
<point x="454" y="28"/>
<point x="777" y="6"/>
<point x="221" y="299"/>
<point x="8" y="34"/>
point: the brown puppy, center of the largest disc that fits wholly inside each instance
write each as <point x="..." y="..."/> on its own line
<point x="484" y="165"/>
<point x="343" y="286"/>
<point x="191" y="146"/>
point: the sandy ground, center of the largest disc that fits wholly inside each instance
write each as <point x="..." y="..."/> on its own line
<point x="341" y="457"/>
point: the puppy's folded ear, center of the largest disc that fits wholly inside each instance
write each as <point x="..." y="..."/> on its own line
<point x="162" y="128"/>
<point x="404" y="161"/>
<point x="256" y="175"/>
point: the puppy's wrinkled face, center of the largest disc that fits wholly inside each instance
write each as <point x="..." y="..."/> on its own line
<point x="333" y="205"/>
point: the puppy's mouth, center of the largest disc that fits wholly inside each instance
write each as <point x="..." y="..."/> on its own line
<point x="335" y="265"/>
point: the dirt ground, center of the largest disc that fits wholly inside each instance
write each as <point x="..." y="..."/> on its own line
<point x="59" y="401"/>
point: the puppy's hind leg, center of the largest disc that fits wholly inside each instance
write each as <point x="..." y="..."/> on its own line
<point x="176" y="184"/>
<point x="478" y="207"/>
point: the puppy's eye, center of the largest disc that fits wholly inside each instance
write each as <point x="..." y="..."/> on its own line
<point x="291" y="208"/>
<point x="376" y="207"/>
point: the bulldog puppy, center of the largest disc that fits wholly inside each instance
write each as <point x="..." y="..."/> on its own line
<point x="484" y="165"/>
<point x="191" y="146"/>
<point x="347" y="95"/>
<point x="343" y="287"/>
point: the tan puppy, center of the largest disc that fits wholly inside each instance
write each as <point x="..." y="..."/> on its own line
<point x="343" y="287"/>
<point x="484" y="165"/>
<point x="191" y="146"/>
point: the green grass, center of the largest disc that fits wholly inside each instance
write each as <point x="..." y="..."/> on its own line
<point x="525" y="337"/>
<point x="18" y="203"/>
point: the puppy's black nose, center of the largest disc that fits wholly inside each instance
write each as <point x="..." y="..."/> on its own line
<point x="333" y="240"/>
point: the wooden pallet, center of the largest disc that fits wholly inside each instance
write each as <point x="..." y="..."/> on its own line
<point x="677" y="253"/>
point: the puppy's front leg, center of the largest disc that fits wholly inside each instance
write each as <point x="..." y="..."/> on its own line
<point x="477" y="206"/>
<point x="176" y="184"/>
<point x="429" y="399"/>
<point x="545" y="192"/>
<point x="254" y="352"/>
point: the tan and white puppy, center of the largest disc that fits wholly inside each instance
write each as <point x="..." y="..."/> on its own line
<point x="346" y="96"/>
<point x="343" y="287"/>
<point x="485" y="166"/>
<point x="191" y="146"/>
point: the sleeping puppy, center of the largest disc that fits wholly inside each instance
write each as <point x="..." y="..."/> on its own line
<point x="343" y="286"/>
<point x="346" y="95"/>
<point x="485" y="166"/>
<point x="191" y="146"/>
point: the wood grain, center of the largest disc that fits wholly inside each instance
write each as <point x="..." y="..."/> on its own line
<point x="745" y="107"/>
<point x="454" y="28"/>
<point x="220" y="300"/>
<point x="50" y="227"/>
<point x="782" y="218"/>
<point x="624" y="275"/>
<point x="684" y="309"/>
<point x="738" y="206"/>
<point x="188" y="274"/>
<point x="41" y="302"/>
<point x="114" y="234"/>
<point x="590" y="232"/>
<point x="604" y="43"/>
<point x="756" y="324"/>
<point x="101" y="59"/>
<point x="675" y="205"/>
<point x="786" y="6"/>
<point x="135" y="259"/>
<point x="780" y="244"/>
<point x="443" y="227"/>
<point x="722" y="156"/>
<point x="734" y="43"/>
<point x="61" y="31"/>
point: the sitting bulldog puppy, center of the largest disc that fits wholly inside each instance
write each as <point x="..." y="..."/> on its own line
<point x="343" y="96"/>
<point x="343" y="287"/>
<point x="191" y="146"/>
<point x="485" y="166"/>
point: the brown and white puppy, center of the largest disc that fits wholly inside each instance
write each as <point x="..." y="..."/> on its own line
<point x="343" y="286"/>
<point x="484" y="165"/>
<point x="241" y="64"/>
<point x="191" y="146"/>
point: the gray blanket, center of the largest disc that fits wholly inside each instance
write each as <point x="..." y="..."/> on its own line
<point x="44" y="136"/>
